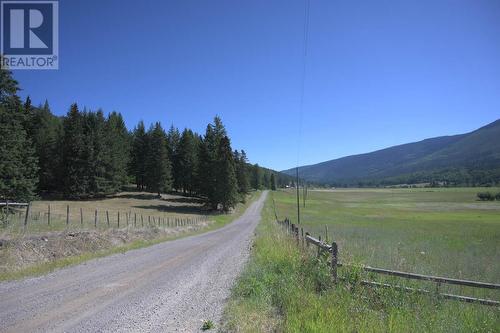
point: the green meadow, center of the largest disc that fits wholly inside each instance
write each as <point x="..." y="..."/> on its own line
<point x="445" y="232"/>
<point x="429" y="231"/>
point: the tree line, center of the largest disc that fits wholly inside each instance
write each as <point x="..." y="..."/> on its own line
<point x="88" y="154"/>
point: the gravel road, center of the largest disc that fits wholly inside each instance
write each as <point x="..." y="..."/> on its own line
<point x="168" y="287"/>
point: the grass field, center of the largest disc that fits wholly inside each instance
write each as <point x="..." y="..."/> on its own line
<point x="430" y="231"/>
<point x="139" y="206"/>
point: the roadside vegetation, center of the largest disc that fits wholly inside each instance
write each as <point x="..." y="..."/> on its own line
<point x="440" y="231"/>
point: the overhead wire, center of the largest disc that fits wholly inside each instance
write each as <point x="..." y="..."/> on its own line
<point x="305" y="42"/>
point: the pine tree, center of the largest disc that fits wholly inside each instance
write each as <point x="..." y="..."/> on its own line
<point x="45" y="131"/>
<point x="256" y="177"/>
<point x="138" y="158"/>
<point x="266" y="179"/>
<point x="75" y="155"/>
<point x="158" y="168"/>
<point x="97" y="163"/>
<point x="242" y="172"/>
<point x="273" y="182"/>
<point x="226" y="189"/>
<point x="207" y="167"/>
<point x="18" y="165"/>
<point x="173" y="140"/>
<point x="117" y="151"/>
<point x="187" y="161"/>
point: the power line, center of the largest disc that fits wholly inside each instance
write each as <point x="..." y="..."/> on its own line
<point x="301" y="103"/>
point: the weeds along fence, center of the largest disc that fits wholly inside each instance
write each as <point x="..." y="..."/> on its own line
<point x="20" y="217"/>
<point x="305" y="240"/>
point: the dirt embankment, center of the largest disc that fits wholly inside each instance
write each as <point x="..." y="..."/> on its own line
<point x="20" y="252"/>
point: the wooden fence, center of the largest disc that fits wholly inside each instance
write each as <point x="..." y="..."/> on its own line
<point x="24" y="216"/>
<point x="306" y="239"/>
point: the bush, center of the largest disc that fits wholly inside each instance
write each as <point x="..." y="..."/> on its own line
<point x="497" y="196"/>
<point x="207" y="325"/>
<point x="486" y="196"/>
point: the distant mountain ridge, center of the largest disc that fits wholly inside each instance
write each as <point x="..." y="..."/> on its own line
<point x="467" y="159"/>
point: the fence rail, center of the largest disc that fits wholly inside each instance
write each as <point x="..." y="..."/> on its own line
<point x="332" y="248"/>
<point x="14" y="204"/>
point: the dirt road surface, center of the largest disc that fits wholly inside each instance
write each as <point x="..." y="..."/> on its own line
<point x="168" y="287"/>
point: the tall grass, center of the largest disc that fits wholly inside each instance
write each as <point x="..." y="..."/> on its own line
<point x="284" y="289"/>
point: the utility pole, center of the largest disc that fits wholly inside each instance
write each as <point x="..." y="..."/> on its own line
<point x="298" y="195"/>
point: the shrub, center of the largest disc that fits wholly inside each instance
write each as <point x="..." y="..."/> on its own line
<point x="207" y="325"/>
<point x="486" y="196"/>
<point x="497" y="196"/>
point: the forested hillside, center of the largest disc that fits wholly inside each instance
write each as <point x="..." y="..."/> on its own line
<point x="87" y="154"/>
<point x="470" y="159"/>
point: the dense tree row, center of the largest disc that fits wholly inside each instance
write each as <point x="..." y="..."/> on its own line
<point x="435" y="178"/>
<point x="89" y="154"/>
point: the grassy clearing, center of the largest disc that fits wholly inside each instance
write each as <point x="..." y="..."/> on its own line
<point x="218" y="221"/>
<point x="430" y="231"/>
<point x="129" y="205"/>
<point x="284" y="289"/>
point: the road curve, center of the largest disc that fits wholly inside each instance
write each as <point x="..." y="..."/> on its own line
<point x="168" y="287"/>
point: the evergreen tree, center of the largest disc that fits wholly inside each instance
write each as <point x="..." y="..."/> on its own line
<point x="201" y="158"/>
<point x="158" y="168"/>
<point x="273" y="182"/>
<point x="242" y="174"/>
<point x="266" y="179"/>
<point x="117" y="151"/>
<point x="97" y="152"/>
<point x="75" y="154"/>
<point x="18" y="165"/>
<point x="208" y="161"/>
<point x="226" y="190"/>
<point x="173" y="140"/>
<point x="187" y="161"/>
<point x="256" y="177"/>
<point x="138" y="158"/>
<point x="45" y="131"/>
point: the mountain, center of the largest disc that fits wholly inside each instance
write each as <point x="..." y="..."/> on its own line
<point x="466" y="159"/>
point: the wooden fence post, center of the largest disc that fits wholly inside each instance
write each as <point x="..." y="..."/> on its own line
<point x="142" y="220"/>
<point x="307" y="243"/>
<point x="81" y="216"/>
<point x="7" y="212"/>
<point x="126" y="216"/>
<point x="334" y="261"/>
<point x="118" y="220"/>
<point x="107" y="218"/>
<point x="95" y="219"/>
<point x="296" y="233"/>
<point x="319" y="247"/>
<point x="67" y="214"/>
<point x="135" y="220"/>
<point x="26" y="217"/>
<point x="48" y="215"/>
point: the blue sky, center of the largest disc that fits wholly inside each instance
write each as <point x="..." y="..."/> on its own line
<point x="378" y="73"/>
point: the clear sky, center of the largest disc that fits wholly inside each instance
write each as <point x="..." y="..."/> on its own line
<point x="379" y="73"/>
